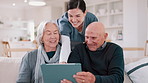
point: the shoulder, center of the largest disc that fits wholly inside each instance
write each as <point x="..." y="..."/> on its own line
<point x="113" y="45"/>
<point x="114" y="48"/>
<point x="80" y="47"/>
<point x="31" y="56"/>
<point x="90" y="17"/>
<point x="90" y="14"/>
<point x="63" y="18"/>
<point x="64" y="24"/>
<point x="32" y="53"/>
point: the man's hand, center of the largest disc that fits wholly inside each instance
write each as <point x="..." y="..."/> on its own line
<point x="84" y="77"/>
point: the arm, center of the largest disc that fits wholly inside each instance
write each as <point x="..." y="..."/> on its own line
<point x="65" y="49"/>
<point x="115" y="67"/>
<point x="65" y="30"/>
<point x="24" y="71"/>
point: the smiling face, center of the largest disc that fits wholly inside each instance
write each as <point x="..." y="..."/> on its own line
<point x="76" y="17"/>
<point x="50" y="36"/>
<point x="95" y="36"/>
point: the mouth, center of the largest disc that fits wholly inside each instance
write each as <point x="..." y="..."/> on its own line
<point x="75" y="23"/>
<point x="53" y="41"/>
<point x="91" y="45"/>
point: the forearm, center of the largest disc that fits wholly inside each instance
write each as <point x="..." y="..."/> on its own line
<point x="65" y="49"/>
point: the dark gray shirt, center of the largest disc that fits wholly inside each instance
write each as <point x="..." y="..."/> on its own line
<point x="27" y="68"/>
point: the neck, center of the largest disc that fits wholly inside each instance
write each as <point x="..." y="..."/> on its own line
<point x="49" y="49"/>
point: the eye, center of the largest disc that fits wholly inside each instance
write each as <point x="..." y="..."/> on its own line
<point x="55" y="32"/>
<point x="70" y="16"/>
<point x="47" y="33"/>
<point x="94" y="38"/>
<point x="78" y="15"/>
<point x="86" y="37"/>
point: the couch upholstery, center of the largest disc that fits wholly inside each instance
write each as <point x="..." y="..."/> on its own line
<point x="9" y="68"/>
<point x="130" y="60"/>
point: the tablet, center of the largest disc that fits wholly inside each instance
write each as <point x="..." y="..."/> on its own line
<point x="54" y="73"/>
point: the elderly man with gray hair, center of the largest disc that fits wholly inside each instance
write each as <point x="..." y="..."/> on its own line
<point x="102" y="62"/>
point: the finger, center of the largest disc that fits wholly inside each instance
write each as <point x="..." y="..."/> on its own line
<point x="80" y="80"/>
<point x="81" y="73"/>
<point x="81" y="77"/>
<point x="65" y="81"/>
<point x="62" y="63"/>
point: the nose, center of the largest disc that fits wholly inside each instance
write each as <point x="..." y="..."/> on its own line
<point x="52" y="35"/>
<point x="73" y="19"/>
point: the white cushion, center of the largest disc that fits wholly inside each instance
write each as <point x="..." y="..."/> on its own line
<point x="138" y="71"/>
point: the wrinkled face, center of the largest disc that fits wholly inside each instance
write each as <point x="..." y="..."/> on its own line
<point x="50" y="36"/>
<point x="76" y="17"/>
<point x="94" y="39"/>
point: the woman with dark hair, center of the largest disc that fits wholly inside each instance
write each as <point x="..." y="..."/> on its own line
<point x="72" y="26"/>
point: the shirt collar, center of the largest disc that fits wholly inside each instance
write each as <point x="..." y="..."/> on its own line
<point x="103" y="46"/>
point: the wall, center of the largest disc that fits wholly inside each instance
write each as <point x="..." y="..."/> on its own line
<point x="42" y="13"/>
<point x="147" y="20"/>
<point x="142" y="22"/>
<point x="130" y="23"/>
<point x="135" y="25"/>
<point x="56" y="13"/>
<point x="10" y="13"/>
<point x="37" y="14"/>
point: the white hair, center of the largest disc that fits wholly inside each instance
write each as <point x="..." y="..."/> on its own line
<point x="41" y="29"/>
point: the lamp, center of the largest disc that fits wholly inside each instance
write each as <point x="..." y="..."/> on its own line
<point x="37" y="2"/>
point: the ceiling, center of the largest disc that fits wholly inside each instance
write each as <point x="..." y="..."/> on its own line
<point x="21" y="3"/>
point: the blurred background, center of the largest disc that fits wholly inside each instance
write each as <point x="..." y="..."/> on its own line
<point x="125" y="21"/>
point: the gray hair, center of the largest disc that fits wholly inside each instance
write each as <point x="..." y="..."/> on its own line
<point x="41" y="29"/>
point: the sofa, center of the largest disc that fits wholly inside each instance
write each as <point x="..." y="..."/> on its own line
<point x="136" y="69"/>
<point x="9" y="68"/>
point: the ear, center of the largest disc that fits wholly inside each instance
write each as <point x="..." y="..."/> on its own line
<point x="105" y="35"/>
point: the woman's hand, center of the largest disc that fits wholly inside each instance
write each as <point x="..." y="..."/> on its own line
<point x="84" y="77"/>
<point x="62" y="63"/>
